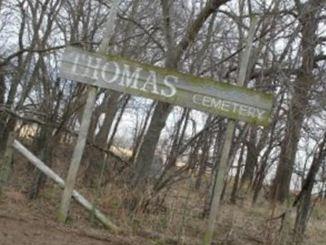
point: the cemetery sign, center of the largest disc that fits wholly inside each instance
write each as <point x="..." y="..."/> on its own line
<point x="166" y="85"/>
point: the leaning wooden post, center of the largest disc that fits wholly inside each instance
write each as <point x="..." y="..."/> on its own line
<point x="77" y="155"/>
<point x="227" y="142"/>
<point x="56" y="178"/>
<point x="85" y="123"/>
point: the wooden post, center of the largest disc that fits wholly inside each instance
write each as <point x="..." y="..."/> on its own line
<point x="227" y="143"/>
<point x="77" y="155"/>
<point x="56" y="178"/>
<point x="85" y="123"/>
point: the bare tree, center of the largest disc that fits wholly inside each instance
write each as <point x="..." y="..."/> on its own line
<point x="173" y="55"/>
<point x="303" y="200"/>
<point x="308" y="16"/>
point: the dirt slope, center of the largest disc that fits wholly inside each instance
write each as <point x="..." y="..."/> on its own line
<point x="17" y="231"/>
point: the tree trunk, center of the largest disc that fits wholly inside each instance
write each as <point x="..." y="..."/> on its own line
<point x="205" y="145"/>
<point x="237" y="177"/>
<point x="2" y="87"/>
<point x="2" y="100"/>
<point x="139" y="138"/>
<point x="251" y="160"/>
<point x="147" y="149"/>
<point x="97" y="161"/>
<point x="216" y="159"/>
<point x="6" y="162"/>
<point x="299" y="102"/>
<point x="101" y="138"/>
<point x="304" y="198"/>
<point x="259" y="180"/>
<point x="173" y="56"/>
<point x="45" y="147"/>
<point x="95" y="118"/>
<point x="118" y="120"/>
<point x="10" y="126"/>
<point x="173" y="154"/>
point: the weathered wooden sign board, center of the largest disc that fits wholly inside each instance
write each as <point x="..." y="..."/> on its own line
<point x="166" y="85"/>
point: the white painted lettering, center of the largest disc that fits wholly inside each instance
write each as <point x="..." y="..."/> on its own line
<point x="75" y="63"/>
<point x="107" y="71"/>
<point x="206" y="101"/>
<point x="236" y="107"/>
<point x="226" y="106"/>
<point x="129" y="79"/>
<point x="92" y="67"/>
<point x="152" y="82"/>
<point x="251" y="112"/>
<point x="169" y="84"/>
<point x="216" y="103"/>
<point x="260" y="113"/>
<point x="243" y="111"/>
<point x="196" y="99"/>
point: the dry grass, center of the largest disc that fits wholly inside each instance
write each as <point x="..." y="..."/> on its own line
<point x="179" y="222"/>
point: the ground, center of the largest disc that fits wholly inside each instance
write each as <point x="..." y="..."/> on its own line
<point x="24" y="222"/>
<point x="19" y="231"/>
<point x="33" y="222"/>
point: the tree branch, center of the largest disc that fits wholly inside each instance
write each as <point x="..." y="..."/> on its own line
<point x="30" y="50"/>
<point x="194" y="28"/>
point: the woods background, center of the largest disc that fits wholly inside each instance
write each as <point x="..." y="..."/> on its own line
<point x="148" y="148"/>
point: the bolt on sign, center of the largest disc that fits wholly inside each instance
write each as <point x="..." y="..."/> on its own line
<point x="123" y="75"/>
